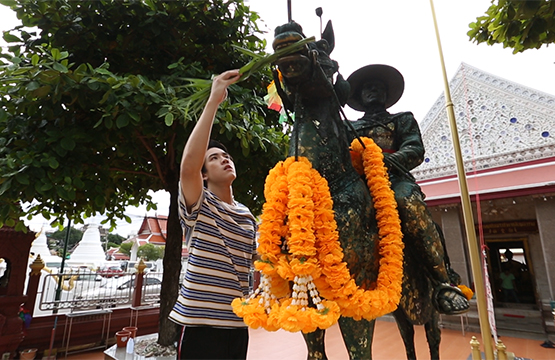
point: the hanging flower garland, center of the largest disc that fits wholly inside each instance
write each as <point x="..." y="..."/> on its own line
<point x="299" y="244"/>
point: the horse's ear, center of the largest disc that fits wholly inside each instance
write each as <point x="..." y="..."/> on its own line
<point x="329" y="36"/>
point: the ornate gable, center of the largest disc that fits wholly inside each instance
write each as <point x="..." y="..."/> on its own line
<point x="499" y="123"/>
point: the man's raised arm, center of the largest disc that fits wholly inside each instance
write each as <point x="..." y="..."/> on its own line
<point x="195" y="148"/>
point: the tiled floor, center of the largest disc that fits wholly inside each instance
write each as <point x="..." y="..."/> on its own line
<point x="387" y="345"/>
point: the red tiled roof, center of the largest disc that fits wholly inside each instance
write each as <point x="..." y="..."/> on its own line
<point x="153" y="229"/>
<point x="114" y="254"/>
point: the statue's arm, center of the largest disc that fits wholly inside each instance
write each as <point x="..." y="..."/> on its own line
<point x="410" y="151"/>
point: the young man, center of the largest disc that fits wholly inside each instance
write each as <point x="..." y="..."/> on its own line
<point x="221" y="238"/>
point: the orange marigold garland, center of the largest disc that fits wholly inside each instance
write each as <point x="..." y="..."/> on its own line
<point x="467" y="292"/>
<point x="299" y="245"/>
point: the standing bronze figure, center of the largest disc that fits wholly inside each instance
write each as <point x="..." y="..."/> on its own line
<point x="374" y="88"/>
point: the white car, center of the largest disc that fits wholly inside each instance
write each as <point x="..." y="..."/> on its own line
<point x="118" y="291"/>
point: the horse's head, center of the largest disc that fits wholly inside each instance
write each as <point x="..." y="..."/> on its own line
<point x="309" y="72"/>
<point x="309" y="91"/>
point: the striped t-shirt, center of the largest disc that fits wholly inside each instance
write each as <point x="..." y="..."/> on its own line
<point x="221" y="248"/>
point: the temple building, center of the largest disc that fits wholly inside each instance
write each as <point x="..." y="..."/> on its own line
<point x="507" y="140"/>
<point x="89" y="251"/>
<point x="40" y="247"/>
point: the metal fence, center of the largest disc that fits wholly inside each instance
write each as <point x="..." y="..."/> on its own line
<point x="82" y="290"/>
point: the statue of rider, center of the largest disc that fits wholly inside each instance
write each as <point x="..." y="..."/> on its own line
<point x="374" y="88"/>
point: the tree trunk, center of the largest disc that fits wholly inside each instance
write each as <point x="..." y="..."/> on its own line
<point x="168" y="330"/>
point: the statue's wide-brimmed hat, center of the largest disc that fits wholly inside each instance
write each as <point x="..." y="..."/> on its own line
<point x="388" y="75"/>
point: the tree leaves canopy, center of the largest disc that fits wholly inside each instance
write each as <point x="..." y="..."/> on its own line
<point x="150" y="252"/>
<point x="520" y="25"/>
<point x="60" y="236"/>
<point x="92" y="115"/>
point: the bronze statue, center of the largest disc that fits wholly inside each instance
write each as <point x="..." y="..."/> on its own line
<point x="374" y="88"/>
<point x="320" y="135"/>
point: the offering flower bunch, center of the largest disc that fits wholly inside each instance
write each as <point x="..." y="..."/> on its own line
<point x="305" y="282"/>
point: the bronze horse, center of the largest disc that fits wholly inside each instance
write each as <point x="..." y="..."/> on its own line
<point x="320" y="135"/>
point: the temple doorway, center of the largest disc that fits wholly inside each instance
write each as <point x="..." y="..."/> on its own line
<point x="511" y="276"/>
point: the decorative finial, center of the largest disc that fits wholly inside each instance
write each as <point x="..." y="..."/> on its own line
<point x="319" y="13"/>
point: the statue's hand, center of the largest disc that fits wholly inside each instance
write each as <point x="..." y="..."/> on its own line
<point x="387" y="160"/>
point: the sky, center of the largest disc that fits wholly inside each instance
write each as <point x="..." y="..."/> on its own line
<point x="399" y="33"/>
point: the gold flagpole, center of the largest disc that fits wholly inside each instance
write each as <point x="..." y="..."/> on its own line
<point x="467" y="211"/>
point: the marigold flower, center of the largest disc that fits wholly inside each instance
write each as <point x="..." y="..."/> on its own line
<point x="299" y="242"/>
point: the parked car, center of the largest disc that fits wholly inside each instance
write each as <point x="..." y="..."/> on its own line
<point x="118" y="291"/>
<point x="111" y="271"/>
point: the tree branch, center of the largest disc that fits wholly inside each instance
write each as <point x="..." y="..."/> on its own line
<point x="133" y="172"/>
<point x="151" y="152"/>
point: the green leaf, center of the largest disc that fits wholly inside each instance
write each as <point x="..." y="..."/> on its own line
<point x="105" y="97"/>
<point x="257" y="63"/>
<point x="68" y="143"/>
<point x="168" y="119"/>
<point x="46" y="187"/>
<point x="33" y="85"/>
<point x="11" y="38"/>
<point x="122" y="121"/>
<point x="20" y="226"/>
<point x="53" y="163"/>
<point x="35" y="59"/>
<point x="134" y="116"/>
<point x="5" y="186"/>
<point x="23" y="179"/>
<point x="41" y="92"/>
<point x="79" y="184"/>
<point x="99" y="201"/>
<point x="104" y="72"/>
<point x="8" y="3"/>
<point x="59" y="67"/>
<point x="55" y="54"/>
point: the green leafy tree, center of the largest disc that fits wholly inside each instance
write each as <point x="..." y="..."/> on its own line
<point x="125" y="248"/>
<point x="93" y="110"/>
<point x="520" y="25"/>
<point x="111" y="245"/>
<point x="114" y="238"/>
<point x="111" y="240"/>
<point x="59" y="236"/>
<point x="150" y="252"/>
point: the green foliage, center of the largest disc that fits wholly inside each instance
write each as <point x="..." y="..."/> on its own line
<point x="59" y="237"/>
<point x="520" y="25"/>
<point x="93" y="112"/>
<point x="112" y="245"/>
<point x="150" y="252"/>
<point x="114" y="239"/>
<point x="92" y="115"/>
<point x="125" y="248"/>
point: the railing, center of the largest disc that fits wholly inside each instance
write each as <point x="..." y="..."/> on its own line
<point x="80" y="291"/>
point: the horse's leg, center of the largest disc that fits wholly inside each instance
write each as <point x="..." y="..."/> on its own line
<point x="407" y="333"/>
<point x="315" y="344"/>
<point x="357" y="336"/>
<point x="433" y="334"/>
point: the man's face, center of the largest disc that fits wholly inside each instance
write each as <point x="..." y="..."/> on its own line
<point x="373" y="92"/>
<point x="219" y="166"/>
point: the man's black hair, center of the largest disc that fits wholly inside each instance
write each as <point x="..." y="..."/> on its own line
<point x="217" y="144"/>
<point x="212" y="144"/>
